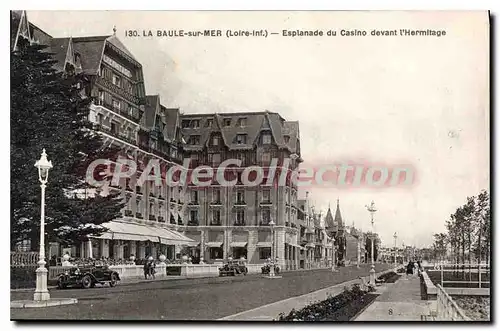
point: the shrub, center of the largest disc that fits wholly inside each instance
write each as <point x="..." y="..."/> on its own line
<point x="321" y="310"/>
<point x="22" y="276"/>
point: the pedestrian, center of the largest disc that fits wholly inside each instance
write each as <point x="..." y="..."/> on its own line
<point x="409" y="269"/>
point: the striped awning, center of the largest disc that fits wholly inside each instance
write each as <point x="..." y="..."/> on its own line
<point x="129" y="231"/>
<point x="214" y="244"/>
<point x="238" y="244"/>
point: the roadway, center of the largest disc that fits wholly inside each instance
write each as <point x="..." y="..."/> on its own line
<point x="185" y="299"/>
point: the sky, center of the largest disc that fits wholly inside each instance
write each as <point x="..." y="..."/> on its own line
<point x="421" y="101"/>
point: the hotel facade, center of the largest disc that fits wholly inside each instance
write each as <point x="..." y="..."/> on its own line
<point x="211" y="223"/>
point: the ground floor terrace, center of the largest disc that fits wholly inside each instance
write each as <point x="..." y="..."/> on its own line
<point x="201" y="244"/>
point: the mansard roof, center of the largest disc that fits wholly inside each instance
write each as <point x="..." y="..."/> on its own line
<point x="91" y="50"/>
<point x="18" y="26"/>
<point x="172" y="122"/>
<point x="59" y="49"/>
<point x="39" y="36"/>
<point x="15" y="20"/>
<point x="255" y="123"/>
<point x="113" y="39"/>
<point x="150" y="110"/>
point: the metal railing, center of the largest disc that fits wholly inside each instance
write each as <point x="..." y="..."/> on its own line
<point x="447" y="309"/>
<point x="463" y="268"/>
<point x="21" y="259"/>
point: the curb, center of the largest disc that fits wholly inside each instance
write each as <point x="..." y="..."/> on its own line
<point x="41" y="304"/>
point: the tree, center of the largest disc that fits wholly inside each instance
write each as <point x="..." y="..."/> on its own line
<point x="48" y="110"/>
<point x="439" y="247"/>
<point x="482" y="224"/>
<point x="469" y="230"/>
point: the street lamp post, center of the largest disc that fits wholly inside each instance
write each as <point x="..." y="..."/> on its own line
<point x="272" y="266"/>
<point x="41" y="291"/>
<point x="395" y="249"/>
<point x="358" y="252"/>
<point x="371" y="209"/>
<point x="404" y="253"/>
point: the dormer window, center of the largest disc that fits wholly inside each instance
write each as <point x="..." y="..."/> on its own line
<point x="287" y="139"/>
<point x="242" y="122"/>
<point x="195" y="124"/>
<point x="241" y="139"/>
<point x="227" y="122"/>
<point x="78" y="63"/>
<point x="266" y="138"/>
<point x="185" y="124"/>
<point x="209" y="123"/>
<point x="215" y="140"/>
<point x="194" y="140"/>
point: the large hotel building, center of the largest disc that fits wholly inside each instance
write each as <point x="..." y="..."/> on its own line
<point x="210" y="223"/>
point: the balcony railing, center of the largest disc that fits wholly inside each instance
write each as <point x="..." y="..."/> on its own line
<point x="129" y="213"/>
<point x="138" y="215"/>
<point x="216" y="203"/>
<point x="161" y="219"/>
<point x="239" y="223"/>
<point x="240" y="203"/>
<point x="193" y="223"/>
<point x="115" y="89"/>
<point x="447" y="308"/>
<point x="216" y="223"/>
<point x="116" y="133"/>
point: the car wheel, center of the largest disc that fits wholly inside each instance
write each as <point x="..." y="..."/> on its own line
<point x="60" y="283"/>
<point x="114" y="280"/>
<point x="86" y="281"/>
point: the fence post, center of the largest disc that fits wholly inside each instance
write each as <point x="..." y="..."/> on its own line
<point x="442" y="275"/>
<point x="479" y="274"/>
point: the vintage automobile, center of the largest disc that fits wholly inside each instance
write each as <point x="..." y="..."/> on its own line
<point x="87" y="276"/>
<point x="233" y="268"/>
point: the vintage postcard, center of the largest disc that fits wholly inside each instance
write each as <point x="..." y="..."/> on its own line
<point x="250" y="165"/>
